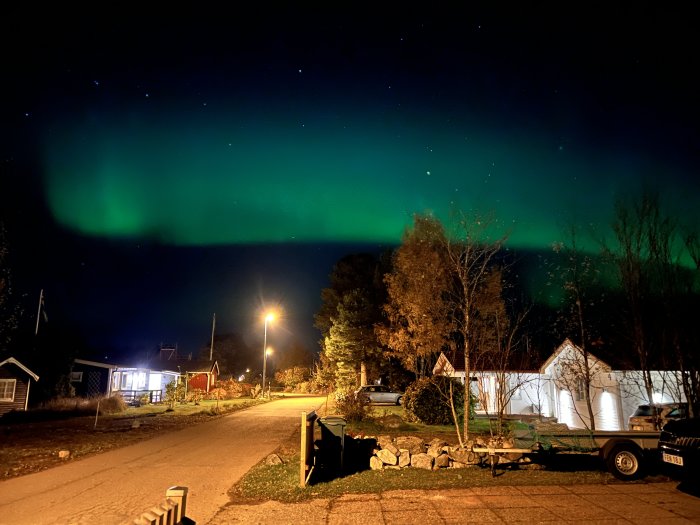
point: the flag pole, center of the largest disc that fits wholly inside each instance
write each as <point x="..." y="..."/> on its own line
<point x="38" y="311"/>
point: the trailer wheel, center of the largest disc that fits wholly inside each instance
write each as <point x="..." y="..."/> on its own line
<point x="625" y="462"/>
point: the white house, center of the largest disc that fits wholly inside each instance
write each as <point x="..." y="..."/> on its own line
<point x="132" y="382"/>
<point x="557" y="389"/>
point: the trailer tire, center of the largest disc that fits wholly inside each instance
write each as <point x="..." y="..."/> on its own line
<point x="625" y="462"/>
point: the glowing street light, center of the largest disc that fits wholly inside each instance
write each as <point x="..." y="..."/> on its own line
<point x="269" y="317"/>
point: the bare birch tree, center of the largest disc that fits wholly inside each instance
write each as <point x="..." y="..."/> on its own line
<point x="471" y="249"/>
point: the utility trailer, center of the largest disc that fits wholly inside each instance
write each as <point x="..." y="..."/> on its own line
<point x="626" y="454"/>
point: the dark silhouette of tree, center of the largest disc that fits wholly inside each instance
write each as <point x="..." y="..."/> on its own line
<point x="9" y="310"/>
<point x="232" y="354"/>
<point x="578" y="277"/>
<point x="296" y="355"/>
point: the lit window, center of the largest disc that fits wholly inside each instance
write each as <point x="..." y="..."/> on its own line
<point x="140" y="381"/>
<point x="580" y="390"/>
<point x="116" y="380"/>
<point x="154" y="382"/>
<point x="7" y="389"/>
<point x="126" y="381"/>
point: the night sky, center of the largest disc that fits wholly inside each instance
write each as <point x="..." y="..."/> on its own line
<point x="161" y="166"/>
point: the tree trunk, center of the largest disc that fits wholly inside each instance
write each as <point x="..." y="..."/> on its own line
<point x="363" y="373"/>
<point x="467" y="390"/>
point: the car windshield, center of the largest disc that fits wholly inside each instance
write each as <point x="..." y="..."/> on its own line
<point x="644" y="410"/>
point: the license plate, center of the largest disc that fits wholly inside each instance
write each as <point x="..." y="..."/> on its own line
<point x="675" y="460"/>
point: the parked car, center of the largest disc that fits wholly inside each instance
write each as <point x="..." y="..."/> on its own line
<point x="379" y="394"/>
<point x="679" y="445"/>
<point x="645" y="416"/>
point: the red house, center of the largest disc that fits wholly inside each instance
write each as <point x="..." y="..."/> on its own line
<point x="201" y="374"/>
<point x="15" y="380"/>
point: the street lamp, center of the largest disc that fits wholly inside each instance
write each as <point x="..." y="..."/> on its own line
<point x="267" y="353"/>
<point x="268" y="318"/>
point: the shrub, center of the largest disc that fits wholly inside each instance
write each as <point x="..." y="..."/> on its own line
<point x="229" y="389"/>
<point x="428" y="400"/>
<point x="352" y="408"/>
<point x="291" y="377"/>
<point x="196" y="395"/>
<point x="174" y="392"/>
<point x="113" y="404"/>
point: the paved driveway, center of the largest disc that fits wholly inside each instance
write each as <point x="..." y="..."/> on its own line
<point x="620" y="503"/>
<point x="115" y="487"/>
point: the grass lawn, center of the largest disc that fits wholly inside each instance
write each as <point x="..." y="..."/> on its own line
<point x="281" y="482"/>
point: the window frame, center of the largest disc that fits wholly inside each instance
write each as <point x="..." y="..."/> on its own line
<point x="8" y="381"/>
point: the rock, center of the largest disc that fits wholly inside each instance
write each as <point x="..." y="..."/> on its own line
<point x="404" y="458"/>
<point x="387" y="457"/>
<point x="442" y="461"/>
<point x="463" y="455"/>
<point x="273" y="459"/>
<point x="437" y="442"/>
<point x="384" y="440"/>
<point x="531" y="466"/>
<point x="434" y="450"/>
<point x="391" y="448"/>
<point x="457" y="464"/>
<point x="423" y="461"/>
<point x="375" y="463"/>
<point x="64" y="454"/>
<point x="414" y="445"/>
<point x="135" y="423"/>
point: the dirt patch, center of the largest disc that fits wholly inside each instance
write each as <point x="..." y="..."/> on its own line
<point x="32" y="447"/>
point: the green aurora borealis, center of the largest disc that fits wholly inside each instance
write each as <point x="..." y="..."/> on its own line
<point x="234" y="176"/>
<point x="161" y="165"/>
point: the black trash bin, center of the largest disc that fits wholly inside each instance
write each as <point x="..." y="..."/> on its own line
<point x="332" y="445"/>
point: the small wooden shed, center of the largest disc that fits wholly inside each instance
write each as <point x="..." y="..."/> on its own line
<point x="15" y="380"/>
<point x="202" y="374"/>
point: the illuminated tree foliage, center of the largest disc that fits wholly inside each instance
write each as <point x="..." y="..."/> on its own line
<point x="418" y="323"/>
<point x="351" y="306"/>
<point x="351" y="340"/>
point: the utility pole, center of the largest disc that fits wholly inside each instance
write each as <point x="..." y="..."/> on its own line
<point x="38" y="311"/>
<point x="211" y="348"/>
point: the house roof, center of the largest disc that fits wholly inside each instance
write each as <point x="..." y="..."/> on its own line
<point x="568" y="344"/>
<point x="96" y="363"/>
<point x="455" y="359"/>
<point x="200" y="366"/>
<point x="14" y="361"/>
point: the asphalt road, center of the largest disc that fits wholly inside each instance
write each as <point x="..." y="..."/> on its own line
<point x="117" y="486"/>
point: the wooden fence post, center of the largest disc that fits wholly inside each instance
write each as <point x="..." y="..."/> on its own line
<point x="178" y="495"/>
<point x="307" y="447"/>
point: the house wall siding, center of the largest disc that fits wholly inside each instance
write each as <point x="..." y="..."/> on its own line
<point x="95" y="380"/>
<point x="200" y="381"/>
<point x="21" y="388"/>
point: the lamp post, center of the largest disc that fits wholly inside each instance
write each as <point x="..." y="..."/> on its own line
<point x="268" y="318"/>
